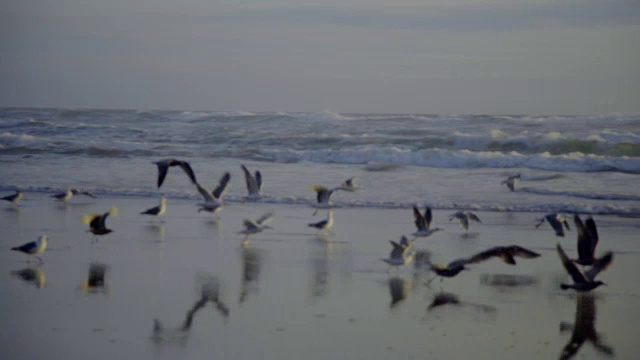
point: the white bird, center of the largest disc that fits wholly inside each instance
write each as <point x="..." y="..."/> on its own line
<point x="257" y="226"/>
<point x="34" y="247"/>
<point x="213" y="200"/>
<point x="163" y="168"/>
<point x="511" y="181"/>
<point x="14" y="198"/>
<point x="324" y="225"/>
<point x="556" y="221"/>
<point x="464" y="218"/>
<point x="423" y="222"/>
<point x="254" y="183"/>
<point x="348" y="185"/>
<point x="66" y="196"/>
<point x="157" y="210"/>
<point x="402" y="253"/>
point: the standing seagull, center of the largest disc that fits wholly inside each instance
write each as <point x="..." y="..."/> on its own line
<point x="511" y="182"/>
<point x="326" y="224"/>
<point x="163" y="168"/>
<point x="401" y="254"/>
<point x="34" y="247"/>
<point x="423" y="222"/>
<point x="14" y="198"/>
<point x="157" y="210"/>
<point x="556" y="221"/>
<point x="213" y="200"/>
<point x="254" y="183"/>
<point x="587" y="240"/>
<point x="584" y="281"/>
<point x="257" y="226"/>
<point x="97" y="223"/>
<point x="66" y="196"/>
<point x="464" y="218"/>
<point x="349" y="185"/>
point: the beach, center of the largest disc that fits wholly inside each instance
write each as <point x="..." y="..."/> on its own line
<point x="292" y="292"/>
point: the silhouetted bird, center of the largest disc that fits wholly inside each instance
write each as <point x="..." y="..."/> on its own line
<point x="583" y="281"/>
<point x="97" y="223"/>
<point x="556" y="221"/>
<point x="587" y="240"/>
<point x="423" y="222"/>
<point x="163" y="168"/>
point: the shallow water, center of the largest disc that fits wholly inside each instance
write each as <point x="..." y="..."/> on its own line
<point x="292" y="293"/>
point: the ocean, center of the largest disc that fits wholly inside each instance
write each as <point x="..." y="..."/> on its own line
<point x="573" y="163"/>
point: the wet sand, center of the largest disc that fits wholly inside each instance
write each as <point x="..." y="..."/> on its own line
<point x="294" y="294"/>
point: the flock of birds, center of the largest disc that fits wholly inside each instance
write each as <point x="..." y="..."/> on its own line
<point x="402" y="253"/>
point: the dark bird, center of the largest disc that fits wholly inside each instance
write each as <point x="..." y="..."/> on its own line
<point x="464" y="217"/>
<point x="556" y="221"/>
<point x="511" y="181"/>
<point x="163" y="168"/>
<point x="254" y="183"/>
<point x="34" y="248"/>
<point x="323" y="195"/>
<point x="505" y="253"/>
<point x="213" y="201"/>
<point x="584" y="281"/>
<point x="423" y="222"/>
<point x="14" y="198"/>
<point x="97" y="223"/>
<point x="584" y="329"/>
<point x="66" y="196"/>
<point x="587" y="240"/>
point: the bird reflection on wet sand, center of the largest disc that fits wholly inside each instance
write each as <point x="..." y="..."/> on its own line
<point x="443" y="298"/>
<point x="508" y="280"/>
<point x="96" y="279"/>
<point x="584" y="329"/>
<point x="251" y="266"/>
<point x="319" y="258"/>
<point x="31" y="275"/>
<point x="209" y="292"/>
<point x="399" y="289"/>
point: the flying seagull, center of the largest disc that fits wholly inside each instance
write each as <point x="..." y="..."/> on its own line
<point x="423" y="222"/>
<point x="157" y="210"/>
<point x="401" y="254"/>
<point x="97" y="223"/>
<point x="254" y="183"/>
<point x="584" y="281"/>
<point x="163" y="168"/>
<point x="511" y="181"/>
<point x="34" y="248"/>
<point x="587" y="240"/>
<point x="324" y="225"/>
<point x="556" y="221"/>
<point x="66" y="196"/>
<point x="213" y="200"/>
<point x="348" y="185"/>
<point x="257" y="226"/>
<point x="464" y="217"/>
<point x="14" y="198"/>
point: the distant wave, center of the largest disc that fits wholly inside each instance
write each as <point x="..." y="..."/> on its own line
<point x="582" y="195"/>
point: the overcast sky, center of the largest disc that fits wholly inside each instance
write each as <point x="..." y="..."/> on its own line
<point x="395" y="56"/>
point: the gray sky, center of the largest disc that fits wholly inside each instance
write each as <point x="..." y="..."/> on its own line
<point x="400" y="56"/>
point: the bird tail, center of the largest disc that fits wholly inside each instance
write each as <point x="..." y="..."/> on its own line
<point x="17" y="248"/>
<point x="564" y="286"/>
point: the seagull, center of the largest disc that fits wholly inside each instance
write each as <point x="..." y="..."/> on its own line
<point x="34" y="247"/>
<point x="423" y="222"/>
<point x="257" y="226"/>
<point x="254" y="183"/>
<point x="348" y="185"/>
<point x="97" y="223"/>
<point x="66" y="196"/>
<point x="584" y="281"/>
<point x="556" y="221"/>
<point x="14" y="198"/>
<point x="323" y="195"/>
<point x="587" y="240"/>
<point x="583" y="329"/>
<point x="464" y="218"/>
<point x="511" y="181"/>
<point x="326" y="224"/>
<point x="213" y="200"/>
<point x="401" y="254"/>
<point x="157" y="210"/>
<point x="505" y="253"/>
<point x="163" y="168"/>
<point x="96" y="278"/>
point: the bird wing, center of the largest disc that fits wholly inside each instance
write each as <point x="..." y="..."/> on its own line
<point x="208" y="197"/>
<point x="571" y="268"/>
<point x="555" y="224"/>
<point x="319" y="224"/>
<point x="86" y="193"/>
<point x="26" y="248"/>
<point x="102" y="220"/>
<point x="420" y="221"/>
<point x="584" y="241"/>
<point x="428" y="216"/>
<point x="163" y="168"/>
<point x="397" y="251"/>
<point x="463" y="221"/>
<point x="485" y="255"/>
<point x="266" y="218"/>
<point x="323" y="194"/>
<point x="590" y="224"/>
<point x="219" y="191"/>
<point x="258" y="180"/>
<point x="252" y="186"/>
<point x="600" y="265"/>
<point x="152" y="211"/>
<point x="473" y="217"/>
<point x="519" y="251"/>
<point x="250" y="225"/>
<point x="186" y="167"/>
